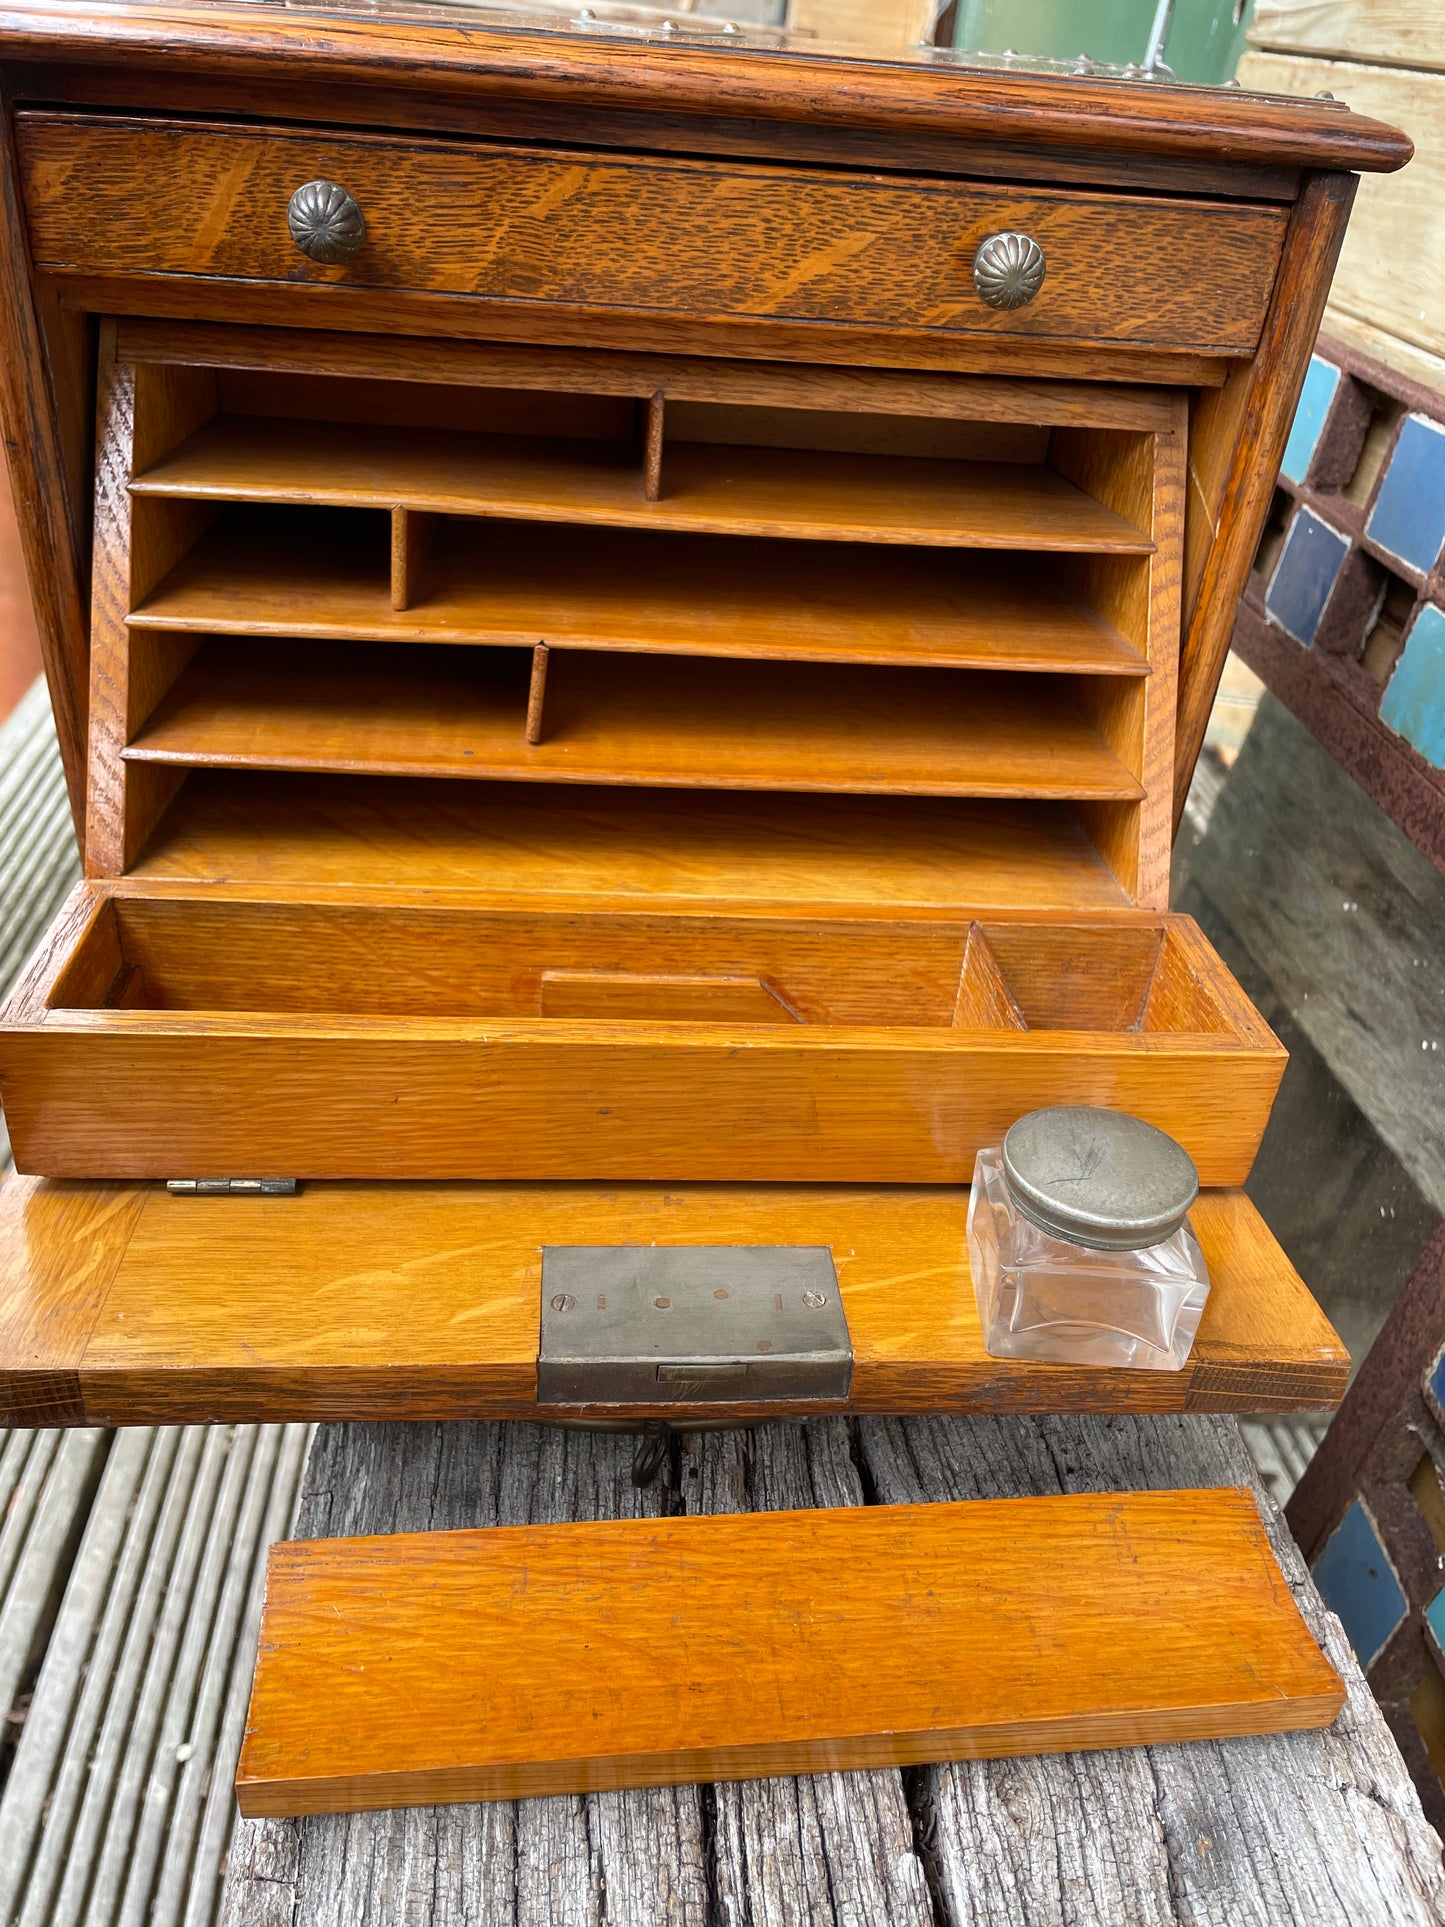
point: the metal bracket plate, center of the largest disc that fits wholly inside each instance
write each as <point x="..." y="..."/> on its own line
<point x="691" y="1325"/>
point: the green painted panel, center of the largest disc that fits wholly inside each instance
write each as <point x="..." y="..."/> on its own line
<point x="1205" y="40"/>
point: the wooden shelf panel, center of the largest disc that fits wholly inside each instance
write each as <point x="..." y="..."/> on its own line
<point x="654" y="720"/>
<point x="617" y="590"/>
<point x="706" y="487"/>
<point x="122" y="1305"/>
<point x="873" y="855"/>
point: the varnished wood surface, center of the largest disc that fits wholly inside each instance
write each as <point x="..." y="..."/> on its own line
<point x="380" y="312"/>
<point x="1314" y="1829"/>
<point x="706" y="488"/>
<point x="308" y="575"/>
<point x="1251" y="417"/>
<point x="421" y="1301"/>
<point x="629" y="719"/>
<point x="407" y="956"/>
<point x="310" y="352"/>
<point x="336" y="835"/>
<point x="247" y="44"/>
<point x="461" y="1091"/>
<point x="428" y="1667"/>
<point x="599" y="232"/>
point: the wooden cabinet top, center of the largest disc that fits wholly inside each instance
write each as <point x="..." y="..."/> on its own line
<point x="443" y="60"/>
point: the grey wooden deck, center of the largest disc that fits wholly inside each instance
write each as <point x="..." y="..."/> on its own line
<point x="1318" y="1829"/>
<point x="130" y="1568"/>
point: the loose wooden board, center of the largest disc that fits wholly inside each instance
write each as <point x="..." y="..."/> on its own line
<point x="437" y="1667"/>
<point x="120" y="1304"/>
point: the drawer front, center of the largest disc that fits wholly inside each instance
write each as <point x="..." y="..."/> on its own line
<point x="619" y="235"/>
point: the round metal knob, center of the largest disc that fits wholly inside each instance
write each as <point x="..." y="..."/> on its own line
<point x="326" y="222"/>
<point x="1008" y="270"/>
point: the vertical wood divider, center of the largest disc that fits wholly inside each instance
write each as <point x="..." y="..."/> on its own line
<point x="652" y="447"/>
<point x="537" y="694"/>
<point x="141" y="413"/>
<point x="410" y="537"/>
<point x="984" y="1000"/>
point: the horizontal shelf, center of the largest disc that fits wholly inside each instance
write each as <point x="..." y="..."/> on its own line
<point x="655" y="720"/>
<point x="706" y="487"/>
<point x="393" y="837"/>
<point x="280" y="574"/>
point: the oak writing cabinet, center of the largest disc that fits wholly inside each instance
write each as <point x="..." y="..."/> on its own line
<point x="628" y="640"/>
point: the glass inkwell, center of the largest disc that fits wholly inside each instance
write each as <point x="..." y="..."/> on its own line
<point x="1080" y="1241"/>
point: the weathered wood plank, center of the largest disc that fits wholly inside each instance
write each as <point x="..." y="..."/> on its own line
<point x="1321" y="1828"/>
<point x="1392" y="267"/>
<point x="1403" y="33"/>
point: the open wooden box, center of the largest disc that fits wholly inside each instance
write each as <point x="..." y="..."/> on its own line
<point x="547" y="765"/>
<point x="663" y="801"/>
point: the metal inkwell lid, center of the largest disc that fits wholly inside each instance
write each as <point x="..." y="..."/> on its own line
<point x="1098" y="1178"/>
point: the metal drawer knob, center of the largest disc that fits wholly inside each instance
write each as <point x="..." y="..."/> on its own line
<point x="326" y="222"/>
<point x="1008" y="270"/>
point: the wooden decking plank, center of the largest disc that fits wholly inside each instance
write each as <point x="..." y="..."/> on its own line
<point x="789" y="1850"/>
<point x="42" y="1509"/>
<point x="203" y="1807"/>
<point x="101" y="1822"/>
<point x="1321" y="1828"/>
<point x="47" y="1778"/>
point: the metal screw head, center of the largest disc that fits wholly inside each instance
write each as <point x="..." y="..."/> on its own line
<point x="564" y="1301"/>
<point x="812" y="1299"/>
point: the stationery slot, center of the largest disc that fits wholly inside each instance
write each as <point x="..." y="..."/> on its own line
<point x="703" y="486"/>
<point x="285" y="572"/>
<point x="656" y="720"/>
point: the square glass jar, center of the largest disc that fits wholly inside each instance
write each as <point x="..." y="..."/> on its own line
<point x="1047" y="1298"/>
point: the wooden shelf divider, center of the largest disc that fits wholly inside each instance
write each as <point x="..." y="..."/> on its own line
<point x="263" y="574"/>
<point x="654" y="720"/>
<point x="717" y="488"/>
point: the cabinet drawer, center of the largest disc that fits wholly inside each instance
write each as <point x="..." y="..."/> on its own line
<point x="618" y="235"/>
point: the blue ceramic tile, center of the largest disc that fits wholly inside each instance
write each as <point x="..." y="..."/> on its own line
<point x="1435" y="1618"/>
<point x="1321" y="385"/>
<point x="1309" y="563"/>
<point x="1358" y="1582"/>
<point x="1408" y="518"/>
<point x="1414" y="701"/>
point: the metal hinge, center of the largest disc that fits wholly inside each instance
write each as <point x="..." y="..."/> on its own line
<point x="231" y="1187"/>
<point x="690" y="1325"/>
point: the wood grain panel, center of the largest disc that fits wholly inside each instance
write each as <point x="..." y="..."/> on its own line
<point x="421" y="1301"/>
<point x="594" y="371"/>
<point x="417" y="66"/>
<point x="145" y="1093"/>
<point x="631" y="719"/>
<point x="600" y="233"/>
<point x="1231" y="490"/>
<point x="321" y="575"/>
<point x="464" y="1665"/>
<point x="59" y="1249"/>
<point x="336" y="835"/>
<point x="707" y="488"/>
